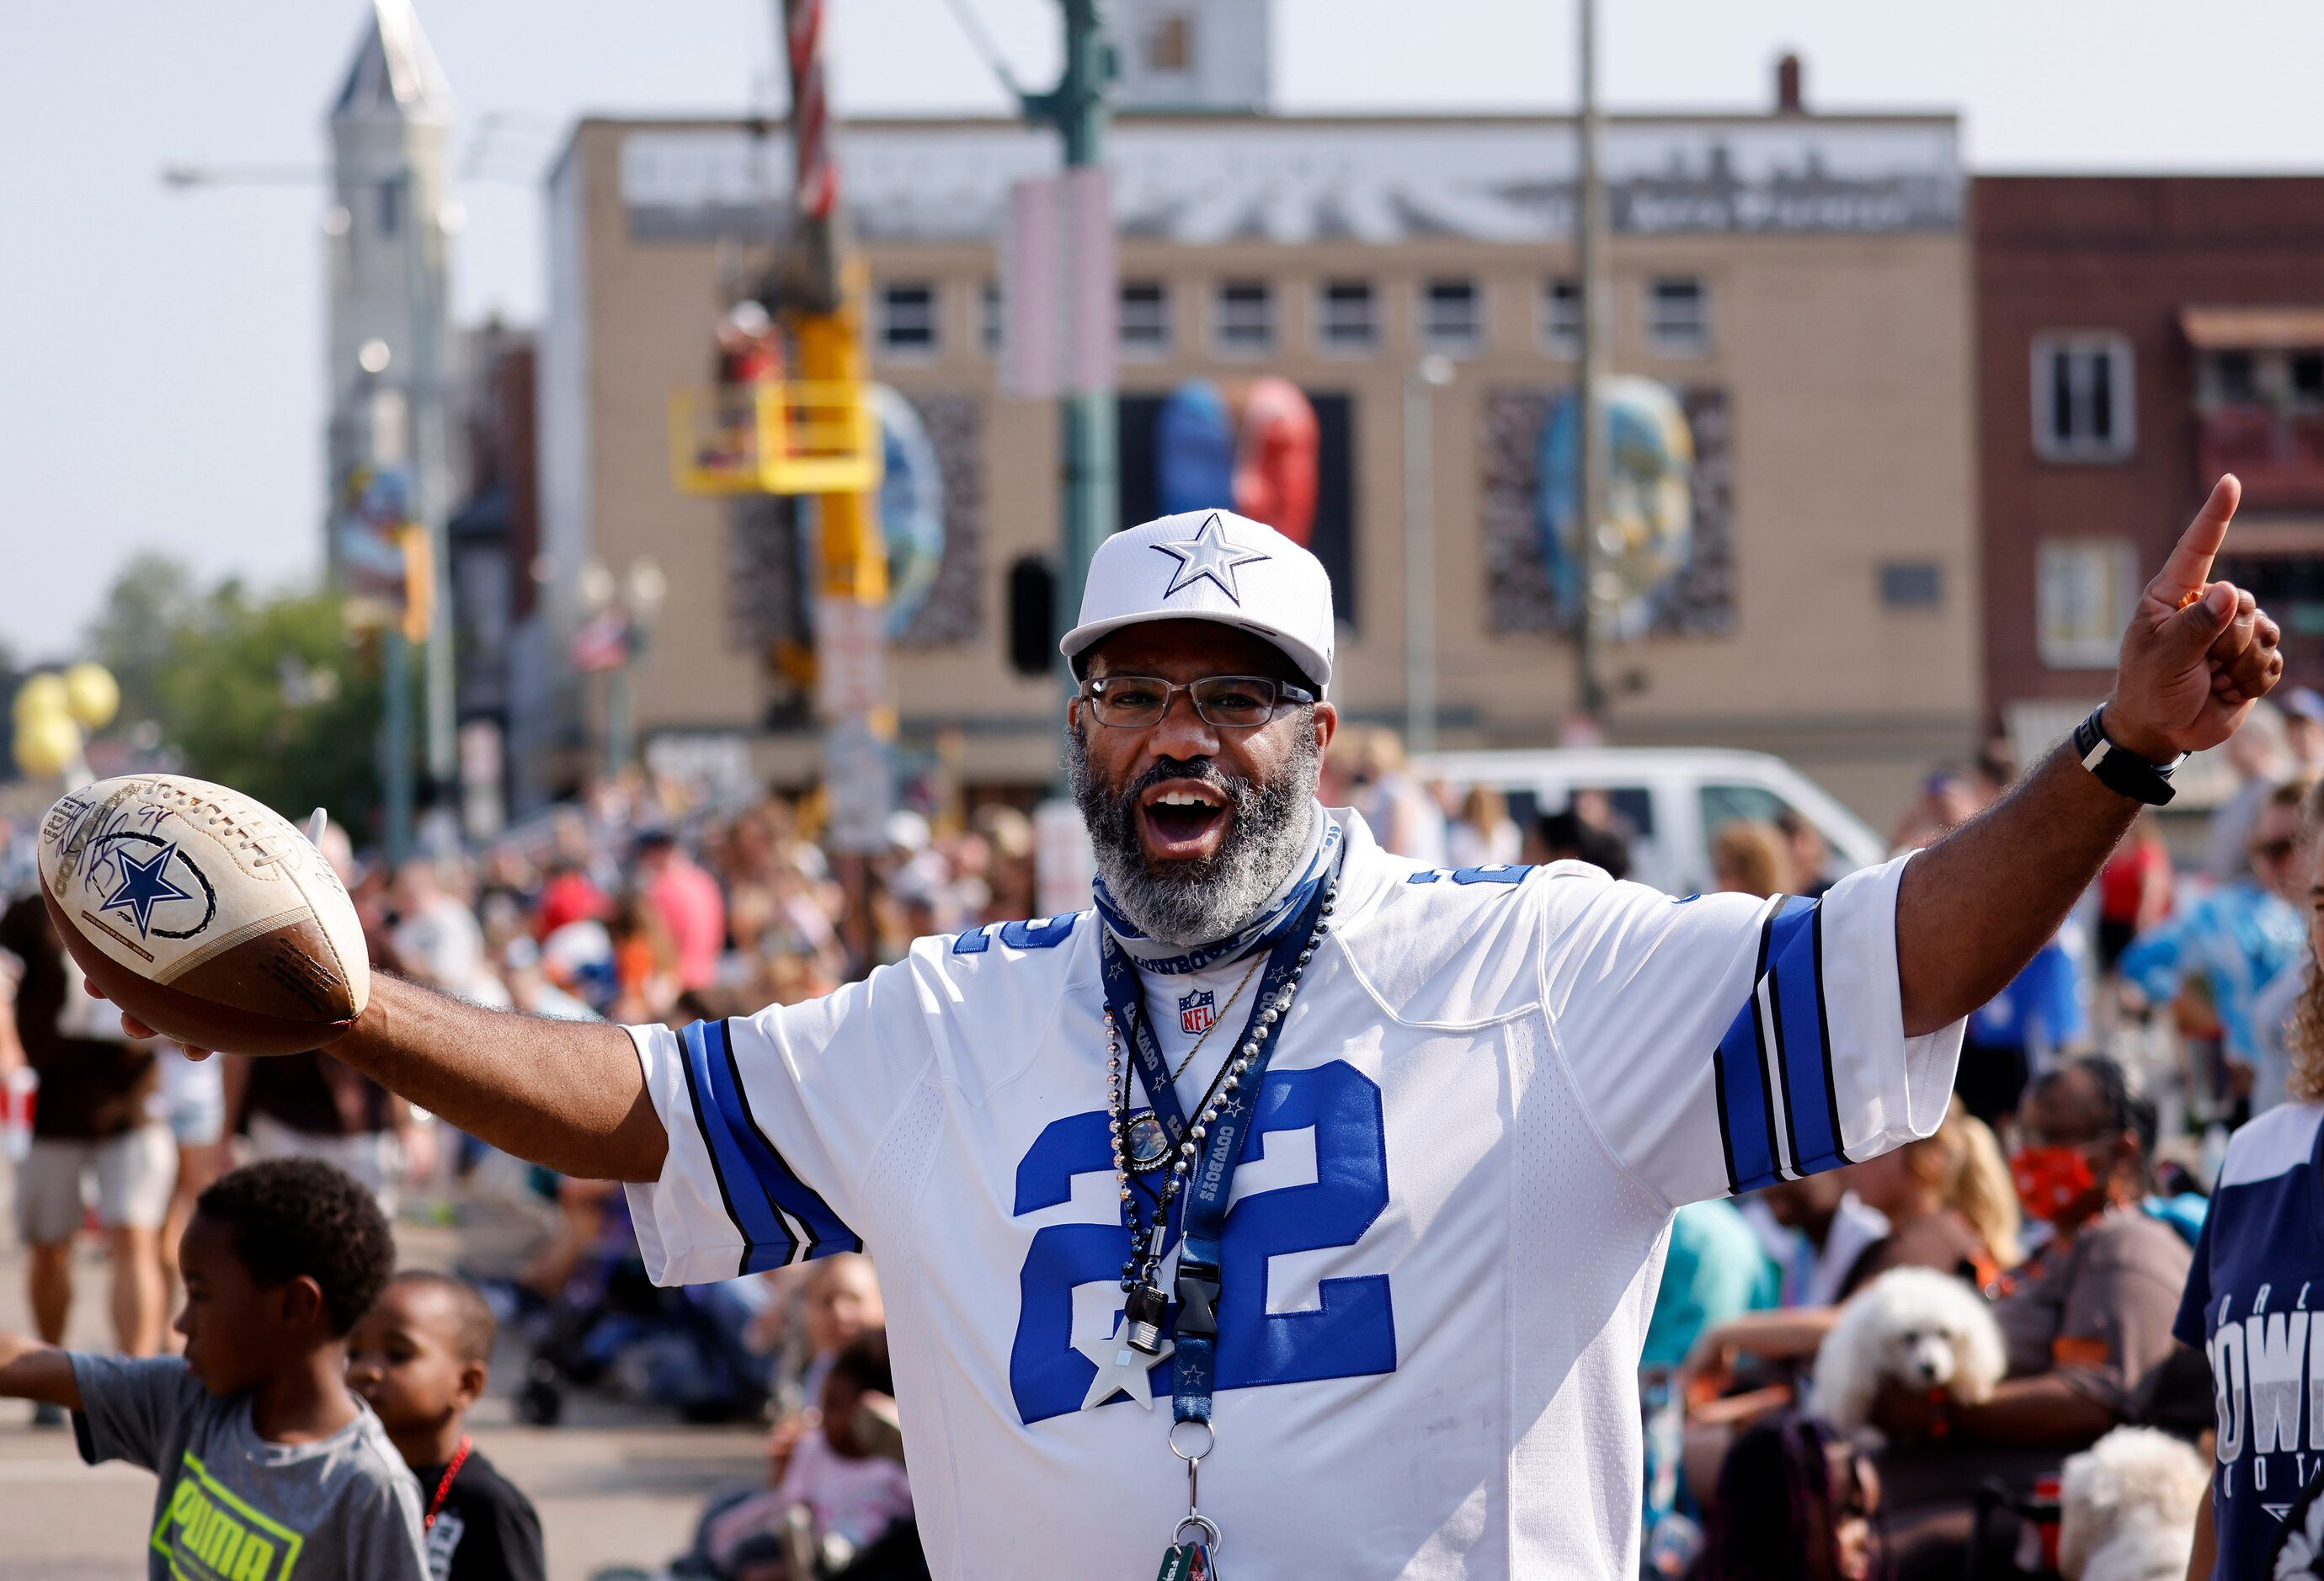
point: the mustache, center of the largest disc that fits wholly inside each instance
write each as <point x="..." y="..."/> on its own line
<point x="1241" y="794"/>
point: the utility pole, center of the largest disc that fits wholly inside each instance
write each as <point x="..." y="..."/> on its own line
<point x="395" y="746"/>
<point x="432" y="484"/>
<point x="1589" y="692"/>
<point x="1421" y="383"/>
<point x="1077" y="108"/>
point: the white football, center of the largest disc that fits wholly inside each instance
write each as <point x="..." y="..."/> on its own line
<point x="206" y="915"/>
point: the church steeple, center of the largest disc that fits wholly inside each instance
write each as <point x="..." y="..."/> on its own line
<point x="394" y="72"/>
<point x="389" y="230"/>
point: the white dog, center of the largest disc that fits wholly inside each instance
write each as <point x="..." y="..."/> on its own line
<point x="2130" y="1502"/>
<point x="1910" y="1327"/>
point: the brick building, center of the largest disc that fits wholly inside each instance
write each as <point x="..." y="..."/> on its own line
<point x="2136" y="336"/>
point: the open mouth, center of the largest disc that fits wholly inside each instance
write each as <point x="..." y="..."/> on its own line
<point x="1183" y="818"/>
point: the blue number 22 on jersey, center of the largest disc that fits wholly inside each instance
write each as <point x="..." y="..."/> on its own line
<point x="1352" y="1331"/>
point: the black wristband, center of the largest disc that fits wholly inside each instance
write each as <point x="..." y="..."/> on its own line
<point x="2122" y="771"/>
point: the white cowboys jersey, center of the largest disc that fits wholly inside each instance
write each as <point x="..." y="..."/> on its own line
<point x="1494" y="1087"/>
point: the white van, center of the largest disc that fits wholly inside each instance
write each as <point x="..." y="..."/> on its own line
<point x="1669" y="799"/>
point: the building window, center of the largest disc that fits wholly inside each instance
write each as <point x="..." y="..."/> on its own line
<point x="908" y="317"/>
<point x="391" y="206"/>
<point x="2234" y="377"/>
<point x="1912" y="584"/>
<point x="2085" y="590"/>
<point x="1350" y="316"/>
<point x="2307" y="378"/>
<point x="1246" y="315"/>
<point x="1678" y="316"/>
<point x="1145" y="316"/>
<point x="1170" y="44"/>
<point x="989" y="318"/>
<point x="1561" y="318"/>
<point x="1450" y="318"/>
<point x="2082" y="401"/>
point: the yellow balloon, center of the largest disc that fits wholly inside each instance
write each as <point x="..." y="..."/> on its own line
<point x="92" y="696"/>
<point x="47" y="745"/>
<point x="41" y="696"/>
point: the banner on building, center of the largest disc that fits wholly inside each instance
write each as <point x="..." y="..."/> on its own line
<point x="1057" y="287"/>
<point x="383" y="556"/>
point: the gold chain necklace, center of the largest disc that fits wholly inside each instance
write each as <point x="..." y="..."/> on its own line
<point x="1256" y="961"/>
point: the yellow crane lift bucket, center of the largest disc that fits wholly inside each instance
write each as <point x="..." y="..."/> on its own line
<point x="789" y="436"/>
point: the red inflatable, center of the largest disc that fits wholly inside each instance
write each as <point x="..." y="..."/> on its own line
<point x="1274" y="469"/>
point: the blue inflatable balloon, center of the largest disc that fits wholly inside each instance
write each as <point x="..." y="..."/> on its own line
<point x="1194" y="450"/>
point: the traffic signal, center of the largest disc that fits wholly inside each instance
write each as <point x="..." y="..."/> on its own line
<point x="1032" y="616"/>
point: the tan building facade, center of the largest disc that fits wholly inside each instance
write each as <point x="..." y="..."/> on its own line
<point x="1800" y="283"/>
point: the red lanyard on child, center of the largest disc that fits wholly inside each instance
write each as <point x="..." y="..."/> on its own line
<point x="451" y="1470"/>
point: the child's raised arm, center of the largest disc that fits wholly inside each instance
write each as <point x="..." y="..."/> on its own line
<point x="29" y="1370"/>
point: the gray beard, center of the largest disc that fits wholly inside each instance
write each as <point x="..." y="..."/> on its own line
<point x="1194" y="902"/>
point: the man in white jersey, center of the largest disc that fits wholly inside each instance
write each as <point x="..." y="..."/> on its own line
<point x="1413" y="1137"/>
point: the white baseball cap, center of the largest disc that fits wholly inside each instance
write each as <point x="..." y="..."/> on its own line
<point x="1211" y="566"/>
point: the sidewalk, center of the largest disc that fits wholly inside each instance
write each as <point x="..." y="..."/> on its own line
<point x="614" y="1485"/>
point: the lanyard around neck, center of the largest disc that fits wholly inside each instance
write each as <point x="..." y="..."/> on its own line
<point x="1210" y="1177"/>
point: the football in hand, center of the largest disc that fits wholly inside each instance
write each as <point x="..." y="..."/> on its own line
<point x="209" y="918"/>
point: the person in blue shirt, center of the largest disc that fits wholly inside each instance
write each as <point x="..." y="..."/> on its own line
<point x="2019" y="1029"/>
<point x="1716" y="1269"/>
<point x="2234" y="941"/>
<point x="2258" y="1273"/>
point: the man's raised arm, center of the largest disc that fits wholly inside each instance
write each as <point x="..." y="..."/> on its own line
<point x="567" y="1095"/>
<point x="1974" y="907"/>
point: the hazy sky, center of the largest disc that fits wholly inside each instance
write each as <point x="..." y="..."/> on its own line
<point x="161" y="354"/>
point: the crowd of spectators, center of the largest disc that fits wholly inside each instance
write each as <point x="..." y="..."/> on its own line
<point x="2065" y="1184"/>
<point x="2176" y="1005"/>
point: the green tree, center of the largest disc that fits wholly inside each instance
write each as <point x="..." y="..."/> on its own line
<point x="265" y="693"/>
<point x="151" y="598"/>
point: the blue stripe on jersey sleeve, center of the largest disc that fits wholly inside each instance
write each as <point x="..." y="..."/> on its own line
<point x="1752" y="1090"/>
<point x="776" y="1200"/>
<point x="767" y="1242"/>
<point x="1803" y="1039"/>
<point x="1738" y="1067"/>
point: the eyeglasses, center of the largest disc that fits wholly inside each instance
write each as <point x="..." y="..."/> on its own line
<point x="1234" y="703"/>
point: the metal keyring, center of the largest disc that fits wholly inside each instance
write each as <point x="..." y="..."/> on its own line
<point x="1213" y="1541"/>
<point x="1210" y="1439"/>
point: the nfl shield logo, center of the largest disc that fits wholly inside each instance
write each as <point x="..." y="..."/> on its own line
<point x="1196" y="1011"/>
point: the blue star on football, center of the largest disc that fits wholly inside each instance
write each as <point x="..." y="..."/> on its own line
<point x="142" y="887"/>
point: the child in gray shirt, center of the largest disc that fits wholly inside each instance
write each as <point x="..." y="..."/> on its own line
<point x="270" y="1469"/>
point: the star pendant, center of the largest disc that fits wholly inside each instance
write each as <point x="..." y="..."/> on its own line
<point x="1121" y="1370"/>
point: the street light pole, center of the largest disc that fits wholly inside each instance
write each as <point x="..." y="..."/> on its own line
<point x="641" y="596"/>
<point x="1090" y="439"/>
<point x="1421" y="382"/>
<point x="1589" y="692"/>
<point x="428" y="455"/>
<point x="431" y="482"/>
<point x="395" y="744"/>
<point x="1076" y="106"/>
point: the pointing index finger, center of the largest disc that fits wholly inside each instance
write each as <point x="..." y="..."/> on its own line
<point x="2189" y="564"/>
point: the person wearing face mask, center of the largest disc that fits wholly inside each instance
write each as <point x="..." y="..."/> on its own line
<point x="2087" y="1320"/>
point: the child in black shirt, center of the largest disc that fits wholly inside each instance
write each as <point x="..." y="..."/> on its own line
<point x="420" y="1359"/>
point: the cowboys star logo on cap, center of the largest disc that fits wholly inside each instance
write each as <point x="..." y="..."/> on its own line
<point x="1207" y="553"/>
